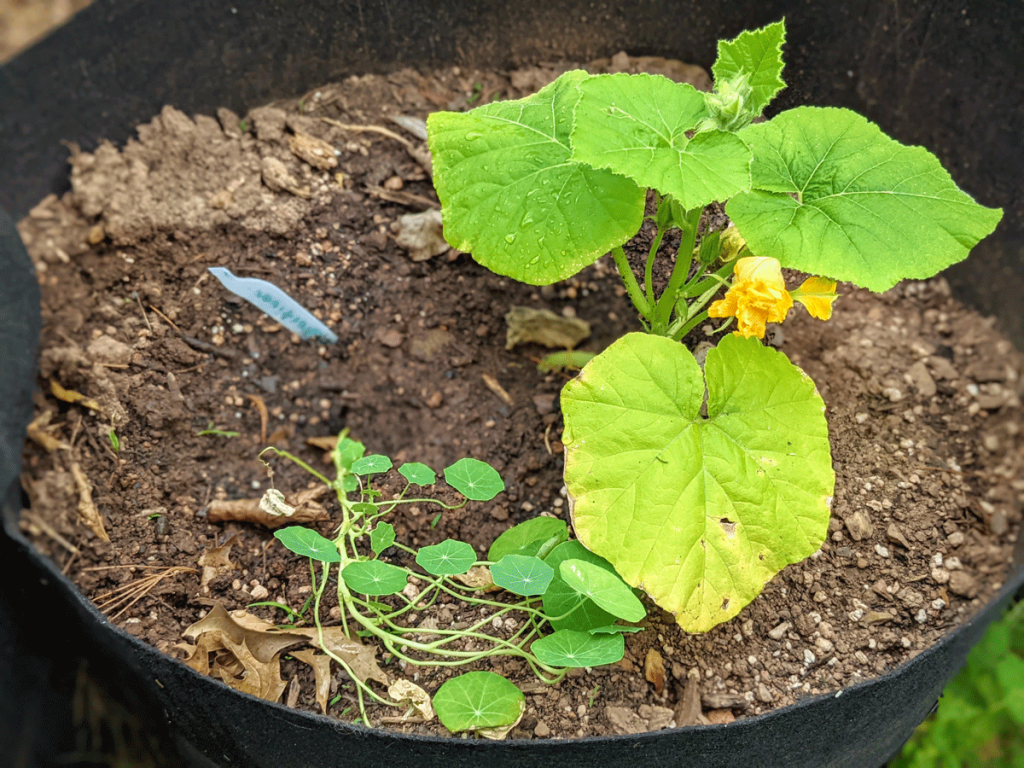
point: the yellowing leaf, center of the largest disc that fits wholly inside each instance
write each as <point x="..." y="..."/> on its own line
<point x="817" y="294"/>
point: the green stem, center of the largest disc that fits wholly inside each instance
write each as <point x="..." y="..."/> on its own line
<point x="649" y="270"/>
<point x="662" y="311"/>
<point x="641" y="303"/>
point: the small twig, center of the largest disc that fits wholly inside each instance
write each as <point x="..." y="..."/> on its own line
<point x="143" y="310"/>
<point x="134" y="591"/>
<point x="496" y="388"/>
<point x="261" y="407"/>
<point x="33" y="519"/>
<point x="212" y="349"/>
<point x="371" y="128"/>
<point x="167" y="320"/>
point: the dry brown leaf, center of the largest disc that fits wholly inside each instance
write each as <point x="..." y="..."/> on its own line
<point x="542" y="326"/>
<point x="654" y="670"/>
<point x="479" y="576"/>
<point x="262" y="639"/>
<point x="86" y="509"/>
<point x="38" y="434"/>
<point x="497" y="734"/>
<point x="70" y="396"/>
<point x="417" y="698"/>
<point x="216" y="562"/>
<point x="688" y="710"/>
<point x="307" y="510"/>
<point x="258" y="677"/>
<point x="360" y="658"/>
<point x="321" y="665"/>
<point x="324" y="443"/>
<point x="317" y="152"/>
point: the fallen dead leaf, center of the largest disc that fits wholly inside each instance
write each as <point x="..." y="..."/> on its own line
<point x="87" y="511"/>
<point x="37" y="433"/>
<point x="321" y="665"/>
<point x="317" y="152"/>
<point x="307" y="510"/>
<point x="654" y="670"/>
<point x="417" y="698"/>
<point x="688" y="710"/>
<point x="498" y="734"/>
<point x="421" y="235"/>
<point x="478" y="577"/>
<point x="542" y="326"/>
<point x="70" y="396"/>
<point x="216" y="562"/>
<point x="361" y="659"/>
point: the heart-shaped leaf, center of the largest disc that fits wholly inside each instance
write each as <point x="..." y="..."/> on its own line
<point x="512" y="196"/>
<point x="449" y="558"/>
<point x="835" y="196"/>
<point x="308" y="543"/>
<point x="382" y="537"/>
<point x="636" y="125"/>
<point x="699" y="512"/>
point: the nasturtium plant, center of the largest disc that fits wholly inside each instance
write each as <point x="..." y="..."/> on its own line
<point x="376" y="601"/>
<point x="695" y="482"/>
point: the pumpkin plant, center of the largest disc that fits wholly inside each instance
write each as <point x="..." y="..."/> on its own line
<point x="697" y="481"/>
<point x="558" y="609"/>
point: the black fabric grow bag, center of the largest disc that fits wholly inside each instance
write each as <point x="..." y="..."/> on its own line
<point x="934" y="74"/>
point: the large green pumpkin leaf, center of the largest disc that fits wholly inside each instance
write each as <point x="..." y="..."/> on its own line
<point x="636" y="125"/>
<point x="757" y="54"/>
<point x="699" y="512"/>
<point x="835" y="196"/>
<point x="512" y="196"/>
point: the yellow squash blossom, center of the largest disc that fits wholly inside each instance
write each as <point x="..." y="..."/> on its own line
<point x="758" y="296"/>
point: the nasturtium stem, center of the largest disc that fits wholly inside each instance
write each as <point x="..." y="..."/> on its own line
<point x="632" y="287"/>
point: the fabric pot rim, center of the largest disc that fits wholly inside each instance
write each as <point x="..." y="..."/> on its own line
<point x="860" y="727"/>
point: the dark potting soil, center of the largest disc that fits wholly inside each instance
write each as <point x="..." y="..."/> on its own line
<point x="923" y="400"/>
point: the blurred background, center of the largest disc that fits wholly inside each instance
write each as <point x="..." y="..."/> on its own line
<point x="22" y="22"/>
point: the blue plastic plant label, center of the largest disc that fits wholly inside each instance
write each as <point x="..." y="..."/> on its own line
<point x="274" y="302"/>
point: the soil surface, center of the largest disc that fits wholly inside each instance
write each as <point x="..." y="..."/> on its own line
<point x="923" y="401"/>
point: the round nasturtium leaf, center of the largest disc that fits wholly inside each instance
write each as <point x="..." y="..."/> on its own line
<point x="528" y="538"/>
<point x="382" y="537"/>
<point x="834" y="196"/>
<point x="698" y="511"/>
<point x="512" y="196"/>
<point x="372" y="577"/>
<point x="477" y="700"/>
<point x="373" y="464"/>
<point x="308" y="543"/>
<point x="568" y="648"/>
<point x="605" y="588"/>
<point x="522" y="575"/>
<point x="417" y="474"/>
<point x="560" y="598"/>
<point x="449" y="558"/>
<point x="476" y="480"/>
